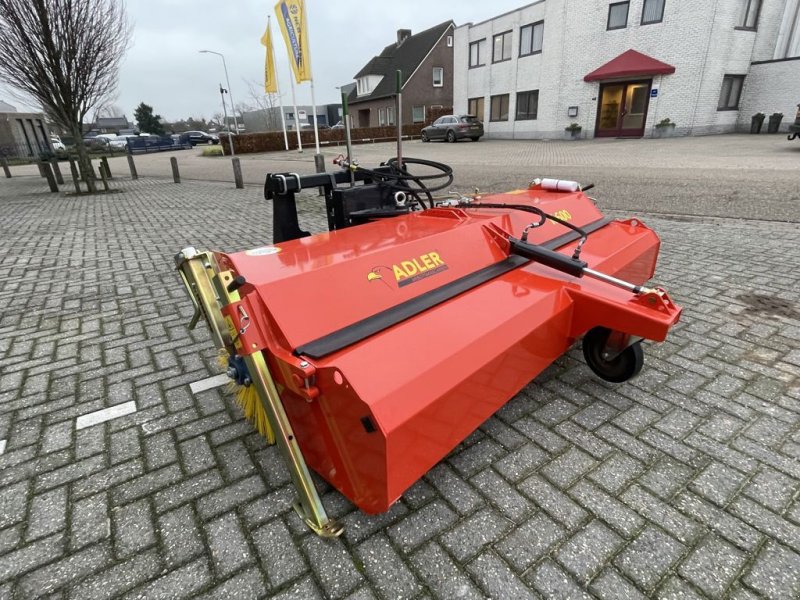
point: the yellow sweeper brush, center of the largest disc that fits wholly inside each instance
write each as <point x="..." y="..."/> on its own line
<point x="246" y="397"/>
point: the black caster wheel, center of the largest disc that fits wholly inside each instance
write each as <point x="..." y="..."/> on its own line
<point x="622" y="367"/>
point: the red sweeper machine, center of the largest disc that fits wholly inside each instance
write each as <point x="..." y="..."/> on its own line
<point x="368" y="352"/>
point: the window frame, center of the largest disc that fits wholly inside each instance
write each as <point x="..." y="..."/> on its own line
<point x="727" y="106"/>
<point x="491" y="107"/>
<point x="477" y="44"/>
<point x="477" y="99"/>
<point x="660" y="19"/>
<point x="627" y="3"/>
<point x="390" y="116"/>
<point x="533" y="31"/>
<point x="528" y="93"/>
<point x="743" y="26"/>
<point x="413" y="108"/>
<point x="381" y="117"/>
<point x="441" y="80"/>
<point x="509" y="33"/>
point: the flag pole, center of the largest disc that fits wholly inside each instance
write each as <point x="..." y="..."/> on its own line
<point x="296" y="116"/>
<point x="278" y="85"/>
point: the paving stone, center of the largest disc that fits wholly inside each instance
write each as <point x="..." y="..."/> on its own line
<point x="454" y="489"/>
<point x="477" y="457"/>
<point x="107" y="479"/>
<point x="496" y="579"/>
<point x="305" y="589"/>
<point x="553" y="582"/>
<point x="712" y="566"/>
<point x="234" y="460"/>
<point x="184" y="582"/>
<point x="146" y="484"/>
<point x="196" y="455"/>
<point x="661" y="513"/>
<point x="776" y="572"/>
<point x="180" y="537"/>
<point x="245" y="585"/>
<point x="229" y="548"/>
<point x="441" y="575"/>
<point x="731" y="528"/>
<point x="636" y="419"/>
<point x="530" y="541"/>
<point x="332" y="564"/>
<point x="133" y="528"/>
<point x="718" y="483"/>
<point x="616" y="472"/>
<point x="588" y="550"/>
<point x="470" y="536"/>
<point x="557" y="504"/>
<point x="48" y="513"/>
<point x="647" y="558"/>
<point x="610" y="585"/>
<point x="767" y="522"/>
<point x="119" y="578"/>
<point x="13" y="501"/>
<point x="160" y="450"/>
<point x="666" y="477"/>
<point x="278" y="555"/>
<point x="31" y="556"/>
<point x="386" y="570"/>
<point x="520" y="462"/>
<point x="675" y="588"/>
<point x="421" y="525"/>
<point x="771" y="488"/>
<point x="502" y="495"/>
<point x="64" y="572"/>
<point x="568" y="467"/>
<point x="90" y="521"/>
<point x="612" y="511"/>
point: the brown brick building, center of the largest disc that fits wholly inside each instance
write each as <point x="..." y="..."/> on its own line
<point x="426" y="61"/>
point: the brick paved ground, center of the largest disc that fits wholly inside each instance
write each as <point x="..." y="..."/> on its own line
<point x="682" y="483"/>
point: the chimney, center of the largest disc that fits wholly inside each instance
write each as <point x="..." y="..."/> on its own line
<point x="402" y="36"/>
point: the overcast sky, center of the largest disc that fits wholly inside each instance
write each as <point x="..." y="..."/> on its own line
<point x="164" y="68"/>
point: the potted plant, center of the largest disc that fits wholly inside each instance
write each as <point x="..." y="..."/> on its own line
<point x="756" y="122"/>
<point x="573" y="131"/>
<point x="664" y="128"/>
<point x="774" y="122"/>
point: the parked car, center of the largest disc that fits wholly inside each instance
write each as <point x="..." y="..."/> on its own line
<point x="56" y="142"/>
<point x="339" y="125"/>
<point x="453" y="128"/>
<point x="199" y="137"/>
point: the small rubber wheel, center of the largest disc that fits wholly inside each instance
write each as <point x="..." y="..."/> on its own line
<point x="451" y="137"/>
<point x="424" y="137"/>
<point x="622" y="367"/>
<point x="475" y="139"/>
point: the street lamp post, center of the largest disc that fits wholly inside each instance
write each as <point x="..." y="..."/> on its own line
<point x="228" y="81"/>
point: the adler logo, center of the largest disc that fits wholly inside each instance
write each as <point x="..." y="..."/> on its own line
<point x="409" y="271"/>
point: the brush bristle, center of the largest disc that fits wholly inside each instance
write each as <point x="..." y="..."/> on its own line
<point x="247" y="398"/>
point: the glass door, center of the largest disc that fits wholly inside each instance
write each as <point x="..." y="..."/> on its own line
<point x="622" y="109"/>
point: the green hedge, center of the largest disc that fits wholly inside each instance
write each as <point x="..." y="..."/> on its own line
<point x="245" y="143"/>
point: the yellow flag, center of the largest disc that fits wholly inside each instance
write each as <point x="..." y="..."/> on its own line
<point x="292" y="20"/>
<point x="270" y="78"/>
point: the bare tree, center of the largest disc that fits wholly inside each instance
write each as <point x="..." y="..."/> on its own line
<point x="266" y="103"/>
<point x="64" y="54"/>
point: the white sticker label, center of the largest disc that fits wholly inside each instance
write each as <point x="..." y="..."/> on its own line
<point x="263" y="251"/>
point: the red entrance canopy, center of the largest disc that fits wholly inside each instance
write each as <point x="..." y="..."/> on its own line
<point x="630" y="64"/>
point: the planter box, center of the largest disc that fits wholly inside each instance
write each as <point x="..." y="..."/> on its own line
<point x="664" y="132"/>
<point x="572" y="135"/>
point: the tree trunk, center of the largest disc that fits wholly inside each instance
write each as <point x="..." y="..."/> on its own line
<point x="84" y="164"/>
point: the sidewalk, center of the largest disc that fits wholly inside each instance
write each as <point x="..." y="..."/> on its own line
<point x="683" y="482"/>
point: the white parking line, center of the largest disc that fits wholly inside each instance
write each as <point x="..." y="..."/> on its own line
<point x="106" y="414"/>
<point x="209" y="383"/>
<point x="2" y="446"/>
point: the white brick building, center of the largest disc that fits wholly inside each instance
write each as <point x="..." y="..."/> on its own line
<point x="707" y="65"/>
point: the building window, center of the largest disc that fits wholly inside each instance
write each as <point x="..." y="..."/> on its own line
<point x="652" y="12"/>
<point x="438" y="76"/>
<point x="390" y="115"/>
<point x="502" y="47"/>
<point x="475" y="53"/>
<point x="475" y="107"/>
<point x="449" y="41"/>
<point x="418" y="114"/>
<point x="527" y="105"/>
<point x="530" y="38"/>
<point x="749" y="16"/>
<point x="618" y="15"/>
<point x="381" y="117"/>
<point x="499" y="108"/>
<point x="731" y="92"/>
